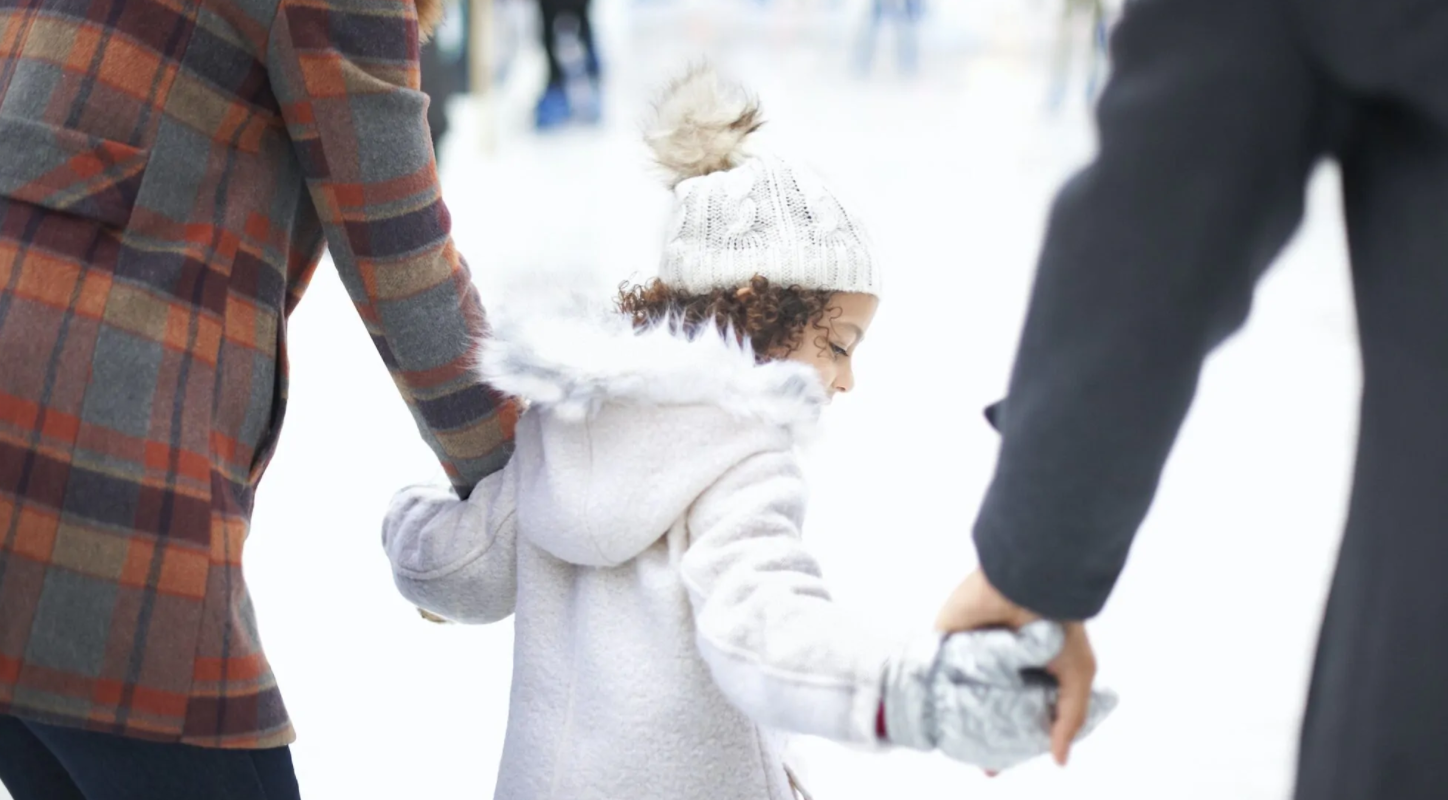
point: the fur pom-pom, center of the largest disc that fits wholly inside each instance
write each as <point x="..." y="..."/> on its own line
<point x="700" y="125"/>
<point x="429" y="16"/>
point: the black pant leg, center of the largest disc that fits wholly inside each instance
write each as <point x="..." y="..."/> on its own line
<point x="27" y="767"/>
<point x="109" y="767"/>
<point x="1377" y="718"/>
<point x="549" y="11"/>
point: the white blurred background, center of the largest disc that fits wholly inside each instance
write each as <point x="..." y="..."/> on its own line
<point x="1209" y="636"/>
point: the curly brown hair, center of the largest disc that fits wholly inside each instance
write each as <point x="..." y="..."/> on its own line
<point x="774" y="318"/>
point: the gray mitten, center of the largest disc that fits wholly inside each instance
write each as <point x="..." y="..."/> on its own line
<point x="969" y="696"/>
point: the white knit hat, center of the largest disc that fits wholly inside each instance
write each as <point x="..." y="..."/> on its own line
<point x="739" y="215"/>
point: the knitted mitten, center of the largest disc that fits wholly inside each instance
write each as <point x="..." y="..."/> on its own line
<point x="981" y="697"/>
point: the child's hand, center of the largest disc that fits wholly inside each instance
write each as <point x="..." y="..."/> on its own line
<point x="976" y="605"/>
<point x="972" y="696"/>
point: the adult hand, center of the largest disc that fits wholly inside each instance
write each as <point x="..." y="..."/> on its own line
<point x="971" y="696"/>
<point x="976" y="604"/>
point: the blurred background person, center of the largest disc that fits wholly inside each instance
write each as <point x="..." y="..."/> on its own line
<point x="904" y="17"/>
<point x="444" y="62"/>
<point x="572" y="93"/>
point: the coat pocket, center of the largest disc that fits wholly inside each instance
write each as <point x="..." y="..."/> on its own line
<point x="69" y="171"/>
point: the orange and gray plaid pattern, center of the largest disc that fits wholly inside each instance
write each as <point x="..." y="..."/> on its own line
<point x="169" y="171"/>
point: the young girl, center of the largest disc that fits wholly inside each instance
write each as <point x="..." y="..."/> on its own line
<point x="646" y="533"/>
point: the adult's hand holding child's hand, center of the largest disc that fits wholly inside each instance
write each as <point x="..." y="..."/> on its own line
<point x="970" y="696"/>
<point x="976" y="604"/>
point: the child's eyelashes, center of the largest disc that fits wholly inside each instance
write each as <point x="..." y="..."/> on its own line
<point x="839" y="352"/>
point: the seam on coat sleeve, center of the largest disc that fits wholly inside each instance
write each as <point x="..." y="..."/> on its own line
<point x="472" y="557"/>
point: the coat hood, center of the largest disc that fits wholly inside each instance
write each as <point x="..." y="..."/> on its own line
<point x="625" y="428"/>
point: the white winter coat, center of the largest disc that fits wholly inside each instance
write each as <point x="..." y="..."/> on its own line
<point x="646" y="535"/>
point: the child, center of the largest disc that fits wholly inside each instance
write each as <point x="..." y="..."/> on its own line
<point x="646" y="533"/>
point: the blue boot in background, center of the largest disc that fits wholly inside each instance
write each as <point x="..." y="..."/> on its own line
<point x="553" y="110"/>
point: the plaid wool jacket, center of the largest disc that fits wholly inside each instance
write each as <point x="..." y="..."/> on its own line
<point x="169" y="171"/>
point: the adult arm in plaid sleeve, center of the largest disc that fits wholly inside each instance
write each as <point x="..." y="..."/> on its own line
<point x="345" y="73"/>
<point x="456" y="558"/>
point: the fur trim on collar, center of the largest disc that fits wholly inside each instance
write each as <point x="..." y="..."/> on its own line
<point x="574" y="363"/>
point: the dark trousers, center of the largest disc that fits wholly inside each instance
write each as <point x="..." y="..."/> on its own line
<point x="43" y="762"/>
<point x="1215" y="116"/>
<point x="552" y="11"/>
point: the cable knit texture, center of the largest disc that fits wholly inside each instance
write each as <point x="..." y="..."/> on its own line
<point x="738" y="214"/>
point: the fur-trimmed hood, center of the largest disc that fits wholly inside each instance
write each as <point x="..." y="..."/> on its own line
<point x="576" y="362"/>
<point x="625" y="429"/>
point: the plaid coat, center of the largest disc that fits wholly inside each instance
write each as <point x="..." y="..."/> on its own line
<point x="169" y="171"/>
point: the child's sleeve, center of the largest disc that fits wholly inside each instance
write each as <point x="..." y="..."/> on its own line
<point x="777" y="645"/>
<point x="456" y="558"/>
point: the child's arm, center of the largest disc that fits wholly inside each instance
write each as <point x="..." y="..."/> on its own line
<point x="787" y="656"/>
<point x="775" y="642"/>
<point x="456" y="558"/>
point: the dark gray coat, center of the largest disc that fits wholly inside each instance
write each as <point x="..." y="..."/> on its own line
<point x="1217" y="112"/>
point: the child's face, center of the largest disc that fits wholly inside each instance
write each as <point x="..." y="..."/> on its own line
<point x="830" y="351"/>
